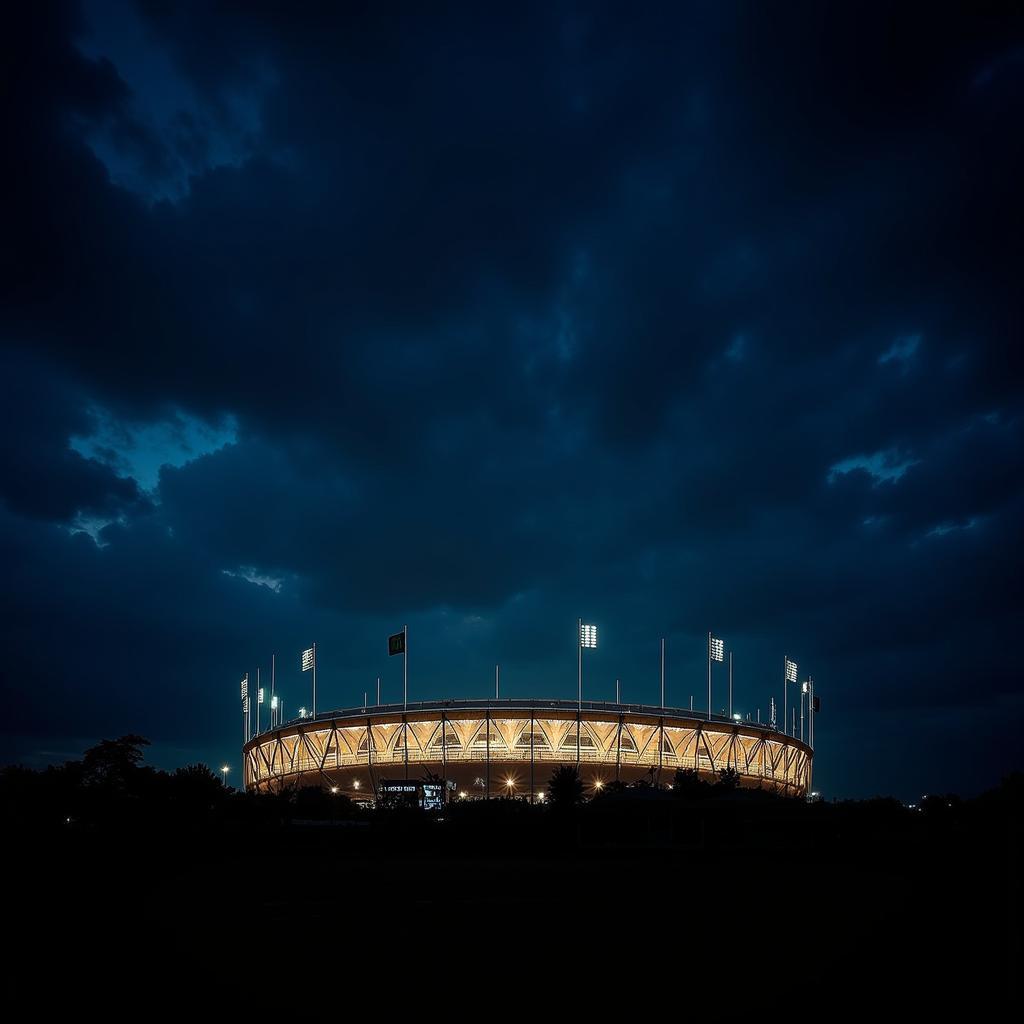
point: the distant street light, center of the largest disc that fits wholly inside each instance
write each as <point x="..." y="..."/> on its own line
<point x="224" y="771"/>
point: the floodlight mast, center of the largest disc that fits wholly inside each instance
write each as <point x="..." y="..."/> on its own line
<point x="579" y="691"/>
<point x="785" y="682"/>
<point x="586" y="637"/>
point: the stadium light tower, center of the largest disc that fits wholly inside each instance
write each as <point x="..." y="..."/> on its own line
<point x="788" y="676"/>
<point x="716" y="652"/>
<point x="587" y="638"/>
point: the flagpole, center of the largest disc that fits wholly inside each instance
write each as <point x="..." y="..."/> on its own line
<point x="495" y="682"/>
<point x="405" y="695"/>
<point x="810" y="711"/>
<point x="663" y="673"/>
<point x="378" y="691"/>
<point x="273" y="684"/>
<point x="709" y="675"/>
<point x="579" y="689"/>
<point x="579" y="653"/>
<point x="730" y="686"/>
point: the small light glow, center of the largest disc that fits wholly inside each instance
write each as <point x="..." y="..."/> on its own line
<point x="225" y="769"/>
<point x="542" y="797"/>
<point x="302" y="712"/>
<point x="462" y="794"/>
<point x="598" y="784"/>
<point x="273" y="703"/>
<point x="737" y="718"/>
<point x="334" y="789"/>
<point x="355" y="785"/>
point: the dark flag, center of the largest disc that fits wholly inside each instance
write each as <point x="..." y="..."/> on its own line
<point x="396" y="644"/>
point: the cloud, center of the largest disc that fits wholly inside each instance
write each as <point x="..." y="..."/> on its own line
<point x="902" y="350"/>
<point x="317" y="325"/>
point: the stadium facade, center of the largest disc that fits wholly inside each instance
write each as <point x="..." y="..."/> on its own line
<point x="511" y="747"/>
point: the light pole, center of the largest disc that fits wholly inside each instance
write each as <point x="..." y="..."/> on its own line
<point x="716" y="652"/>
<point x="663" y="673"/>
<point x="788" y="676"/>
<point x="587" y="638"/>
<point x="224" y="771"/>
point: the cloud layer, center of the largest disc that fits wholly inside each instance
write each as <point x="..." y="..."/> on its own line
<point x="319" y="322"/>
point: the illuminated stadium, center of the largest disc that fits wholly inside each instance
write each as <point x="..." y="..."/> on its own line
<point x="482" y="748"/>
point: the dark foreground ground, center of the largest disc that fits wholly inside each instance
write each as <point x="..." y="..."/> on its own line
<point x="759" y="898"/>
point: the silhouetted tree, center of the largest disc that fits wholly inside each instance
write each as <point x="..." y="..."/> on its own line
<point x="312" y="802"/>
<point x="565" y="788"/>
<point x="728" y="779"/>
<point x="113" y="764"/>
<point x="196" y="785"/>
<point x="688" y="785"/>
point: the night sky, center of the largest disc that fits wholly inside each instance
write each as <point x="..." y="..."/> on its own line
<point x="676" y="318"/>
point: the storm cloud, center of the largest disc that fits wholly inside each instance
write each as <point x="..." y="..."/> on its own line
<point x="321" y="320"/>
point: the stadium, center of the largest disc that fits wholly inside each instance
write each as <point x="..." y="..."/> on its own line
<point x="497" y="748"/>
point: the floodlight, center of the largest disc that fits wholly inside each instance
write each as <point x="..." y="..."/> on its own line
<point x="588" y="635"/>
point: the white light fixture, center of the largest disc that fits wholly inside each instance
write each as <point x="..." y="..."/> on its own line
<point x="588" y="635"/>
<point x="717" y="649"/>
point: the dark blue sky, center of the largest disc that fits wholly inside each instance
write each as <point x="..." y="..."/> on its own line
<point x="677" y="317"/>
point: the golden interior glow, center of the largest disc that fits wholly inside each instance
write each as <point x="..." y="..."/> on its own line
<point x="518" y="748"/>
